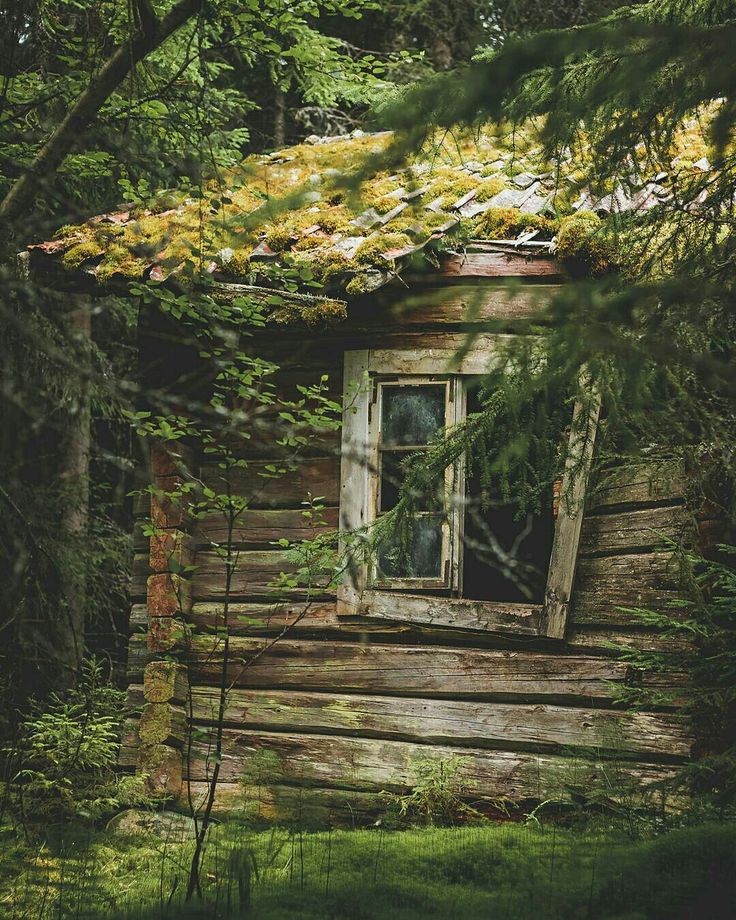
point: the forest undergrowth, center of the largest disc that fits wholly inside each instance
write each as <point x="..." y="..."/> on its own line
<point x="511" y="870"/>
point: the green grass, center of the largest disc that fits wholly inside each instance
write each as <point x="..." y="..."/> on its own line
<point x="505" y="871"/>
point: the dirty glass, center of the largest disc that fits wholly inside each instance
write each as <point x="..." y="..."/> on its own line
<point x="418" y="555"/>
<point x="392" y="479"/>
<point x="412" y="414"/>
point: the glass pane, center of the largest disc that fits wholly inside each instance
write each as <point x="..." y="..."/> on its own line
<point x="392" y="478"/>
<point x="412" y="414"/>
<point x="421" y="554"/>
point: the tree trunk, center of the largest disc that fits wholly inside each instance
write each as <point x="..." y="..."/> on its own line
<point x="74" y="475"/>
<point x="279" y="118"/>
<point x="152" y="34"/>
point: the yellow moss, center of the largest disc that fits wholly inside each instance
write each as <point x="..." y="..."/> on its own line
<point x="326" y="264"/>
<point x="508" y="223"/>
<point x="128" y="268"/>
<point x="318" y="313"/>
<point x="333" y="220"/>
<point x="78" y="254"/>
<point x="490" y="187"/>
<point x="240" y="264"/>
<point x="279" y="237"/>
<point x="451" y="184"/>
<point x="359" y="284"/>
<point x="582" y="243"/>
<point x="370" y="252"/>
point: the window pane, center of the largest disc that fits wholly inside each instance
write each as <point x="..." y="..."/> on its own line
<point x="392" y="479"/>
<point x="420" y="557"/>
<point x="412" y="414"/>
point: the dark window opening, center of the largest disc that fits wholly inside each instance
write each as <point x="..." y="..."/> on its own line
<point x="504" y="558"/>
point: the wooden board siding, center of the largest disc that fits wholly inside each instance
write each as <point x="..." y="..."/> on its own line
<point x="375" y="764"/>
<point x="410" y="670"/>
<point x="346" y="707"/>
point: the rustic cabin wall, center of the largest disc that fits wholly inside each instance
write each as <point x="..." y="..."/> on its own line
<point x="336" y="711"/>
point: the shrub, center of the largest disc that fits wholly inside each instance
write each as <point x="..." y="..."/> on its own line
<point x="67" y="752"/>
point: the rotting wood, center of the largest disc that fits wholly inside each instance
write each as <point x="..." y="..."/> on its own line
<point x="607" y="583"/>
<point x="635" y="530"/>
<point x="373" y="765"/>
<point x="564" y="557"/>
<point x="318" y="475"/>
<point x="509" y="726"/>
<point x="258" y="526"/>
<point x="424" y="671"/>
<point x="603" y="582"/>
<point x="460" y="613"/>
<point x="321" y="622"/>
<point x="496" y="265"/>
<point x="644" y="483"/>
<point x="458" y="304"/>
<point x="305" y="807"/>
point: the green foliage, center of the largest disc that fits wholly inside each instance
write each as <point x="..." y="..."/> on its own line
<point x="502" y="870"/>
<point x="583" y="246"/>
<point x="702" y="627"/>
<point x="438" y="795"/>
<point x="66" y="753"/>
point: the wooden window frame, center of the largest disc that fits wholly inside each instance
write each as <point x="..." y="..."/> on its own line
<point x="449" y="564"/>
<point x="358" y="475"/>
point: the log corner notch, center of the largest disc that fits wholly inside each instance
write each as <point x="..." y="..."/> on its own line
<point x="162" y="726"/>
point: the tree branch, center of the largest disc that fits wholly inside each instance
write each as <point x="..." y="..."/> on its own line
<point x="150" y="35"/>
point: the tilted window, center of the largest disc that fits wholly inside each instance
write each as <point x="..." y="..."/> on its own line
<point x="464" y="560"/>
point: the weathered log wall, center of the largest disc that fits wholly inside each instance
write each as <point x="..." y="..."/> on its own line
<point x="339" y="709"/>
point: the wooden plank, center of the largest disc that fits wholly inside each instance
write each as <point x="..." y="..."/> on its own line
<point x="537" y="727"/>
<point x="457" y="613"/>
<point x="318" y="475"/>
<point x="564" y="556"/>
<point x="448" y="305"/>
<point x="642" y="483"/>
<point x="354" y="473"/>
<point x="410" y="670"/>
<point x="447" y="353"/>
<point x="320" y="620"/>
<point x="263" y="526"/>
<point x="291" y="805"/>
<point x="606" y="583"/>
<point x="499" y="265"/>
<point x="254" y="575"/>
<point x="635" y="530"/>
<point x="374" y="765"/>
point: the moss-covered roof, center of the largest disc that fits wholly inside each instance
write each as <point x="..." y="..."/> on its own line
<point x="290" y="211"/>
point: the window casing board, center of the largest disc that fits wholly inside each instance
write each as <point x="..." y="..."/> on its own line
<point x="368" y="373"/>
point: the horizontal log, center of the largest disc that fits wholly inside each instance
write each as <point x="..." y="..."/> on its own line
<point x="319" y="476"/>
<point x="254" y="576"/>
<point x="509" y="726"/>
<point x="604" y="582"/>
<point x="292" y="805"/>
<point x="498" y="265"/>
<point x="607" y="583"/>
<point x="264" y="526"/>
<point x="634" y="530"/>
<point x="320" y="621"/>
<point x="460" y="613"/>
<point x="652" y="481"/>
<point x="375" y="765"/>
<point x="420" y="671"/>
<point x="457" y="304"/>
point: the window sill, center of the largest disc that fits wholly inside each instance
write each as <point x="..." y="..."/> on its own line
<point x="455" y="613"/>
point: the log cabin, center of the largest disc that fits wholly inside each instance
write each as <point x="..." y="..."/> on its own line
<point x="337" y="698"/>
